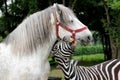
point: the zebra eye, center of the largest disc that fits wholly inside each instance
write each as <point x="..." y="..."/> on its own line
<point x="66" y="58"/>
<point x="55" y="48"/>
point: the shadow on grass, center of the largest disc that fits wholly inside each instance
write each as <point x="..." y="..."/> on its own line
<point x="89" y="63"/>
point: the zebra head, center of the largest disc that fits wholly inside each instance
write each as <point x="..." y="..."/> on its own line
<point x="63" y="49"/>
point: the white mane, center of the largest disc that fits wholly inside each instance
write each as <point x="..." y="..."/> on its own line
<point x="35" y="30"/>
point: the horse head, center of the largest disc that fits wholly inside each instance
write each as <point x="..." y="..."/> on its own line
<point x="69" y="26"/>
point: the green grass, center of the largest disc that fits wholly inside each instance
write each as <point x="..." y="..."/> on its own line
<point x="88" y="60"/>
<point x="91" y="57"/>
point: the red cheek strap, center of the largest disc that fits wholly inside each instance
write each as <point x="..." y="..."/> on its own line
<point x="73" y="32"/>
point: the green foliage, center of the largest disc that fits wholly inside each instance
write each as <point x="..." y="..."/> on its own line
<point x="91" y="59"/>
<point x="0" y="38"/>
<point x="92" y="49"/>
<point x="33" y="6"/>
<point x="90" y="13"/>
<point x="115" y="31"/>
<point x="1" y="3"/>
<point x="14" y="13"/>
<point x="115" y="4"/>
<point x="115" y="22"/>
<point x="2" y="28"/>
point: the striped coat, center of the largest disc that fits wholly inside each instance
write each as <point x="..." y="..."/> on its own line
<point x="109" y="70"/>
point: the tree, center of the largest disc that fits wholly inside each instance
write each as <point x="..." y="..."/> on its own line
<point x="115" y="27"/>
<point x="14" y="13"/>
<point x="112" y="9"/>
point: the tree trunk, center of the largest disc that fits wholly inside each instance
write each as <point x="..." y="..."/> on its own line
<point x="115" y="49"/>
<point x="106" y="46"/>
<point x="118" y="52"/>
<point x="73" y="4"/>
<point x="63" y="2"/>
<point x="6" y="10"/>
<point x="109" y="53"/>
<point x="115" y="52"/>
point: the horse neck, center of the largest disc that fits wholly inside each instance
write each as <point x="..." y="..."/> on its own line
<point x="27" y="38"/>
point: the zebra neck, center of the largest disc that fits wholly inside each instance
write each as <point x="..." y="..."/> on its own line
<point x="64" y="65"/>
<point x="63" y="62"/>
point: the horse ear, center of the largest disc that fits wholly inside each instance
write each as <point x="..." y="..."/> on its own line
<point x="57" y="8"/>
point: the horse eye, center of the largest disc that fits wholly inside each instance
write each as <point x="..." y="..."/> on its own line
<point x="71" y="21"/>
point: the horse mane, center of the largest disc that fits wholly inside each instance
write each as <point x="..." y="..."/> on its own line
<point x="34" y="31"/>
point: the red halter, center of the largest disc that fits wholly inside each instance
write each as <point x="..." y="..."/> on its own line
<point x="73" y="32"/>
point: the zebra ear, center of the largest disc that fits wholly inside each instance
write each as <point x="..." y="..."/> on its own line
<point x="66" y="38"/>
<point x="58" y="39"/>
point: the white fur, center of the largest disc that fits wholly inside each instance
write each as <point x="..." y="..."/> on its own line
<point x="28" y="67"/>
<point x="33" y="67"/>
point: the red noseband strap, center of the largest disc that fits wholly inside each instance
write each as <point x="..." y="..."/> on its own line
<point x="73" y="32"/>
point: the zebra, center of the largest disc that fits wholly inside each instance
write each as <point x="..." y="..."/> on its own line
<point x="63" y="50"/>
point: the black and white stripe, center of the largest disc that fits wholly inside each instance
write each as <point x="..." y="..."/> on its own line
<point x="109" y="70"/>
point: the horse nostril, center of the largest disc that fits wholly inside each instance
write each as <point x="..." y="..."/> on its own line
<point x="88" y="38"/>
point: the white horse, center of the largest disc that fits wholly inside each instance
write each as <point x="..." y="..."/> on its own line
<point x="24" y="52"/>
